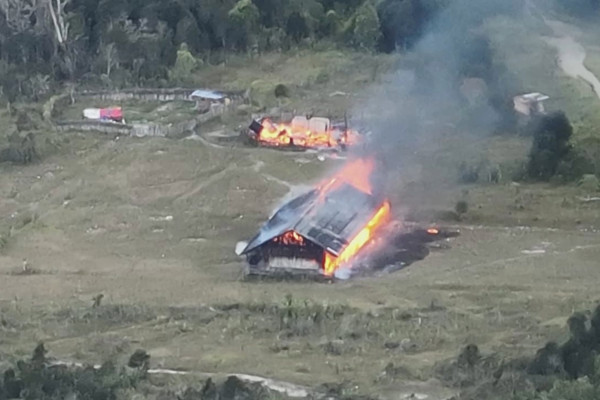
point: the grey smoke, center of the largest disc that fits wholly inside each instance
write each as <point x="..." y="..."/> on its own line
<point x="425" y="95"/>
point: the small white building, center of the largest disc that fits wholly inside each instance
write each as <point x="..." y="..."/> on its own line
<point x="530" y="104"/>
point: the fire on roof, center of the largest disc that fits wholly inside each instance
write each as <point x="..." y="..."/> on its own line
<point x="324" y="228"/>
<point x="330" y="227"/>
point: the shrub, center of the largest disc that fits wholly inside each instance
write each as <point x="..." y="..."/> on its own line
<point x="589" y="148"/>
<point x="282" y="90"/>
<point x="550" y="147"/>
<point x="38" y="379"/>
<point x="580" y="389"/>
<point x="461" y="207"/>
<point x="184" y="65"/>
<point x="574" y="166"/>
<point x="468" y="173"/>
<point x="366" y="31"/>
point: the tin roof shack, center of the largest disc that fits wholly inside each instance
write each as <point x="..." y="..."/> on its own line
<point x="304" y="235"/>
<point x="209" y="99"/>
<point x="530" y="104"/>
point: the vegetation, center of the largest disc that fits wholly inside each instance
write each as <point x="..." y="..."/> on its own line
<point x="567" y="371"/>
<point x="589" y="9"/>
<point x="551" y="135"/>
<point x="37" y="378"/>
<point x="21" y="150"/>
<point x="115" y="191"/>
<point x="40" y="379"/>
<point x="140" y="42"/>
<point x="575" y="364"/>
<point x="461" y="207"/>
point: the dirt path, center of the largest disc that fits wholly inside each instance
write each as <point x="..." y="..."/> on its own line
<point x="571" y="54"/>
<point x="286" y="388"/>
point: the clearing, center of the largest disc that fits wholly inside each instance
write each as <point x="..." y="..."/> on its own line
<point x="152" y="224"/>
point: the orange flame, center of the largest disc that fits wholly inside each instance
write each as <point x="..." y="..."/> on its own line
<point x="433" y="231"/>
<point x="331" y="263"/>
<point x="356" y="173"/>
<point x="287" y="135"/>
<point x="290" y="237"/>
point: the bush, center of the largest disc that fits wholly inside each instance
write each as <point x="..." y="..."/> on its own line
<point x="38" y="379"/>
<point x="589" y="148"/>
<point x="184" y="65"/>
<point x="461" y="207"/>
<point x="365" y="27"/>
<point x="468" y="173"/>
<point x="282" y="90"/>
<point x="574" y="166"/>
<point x="550" y="147"/>
<point x="580" y="389"/>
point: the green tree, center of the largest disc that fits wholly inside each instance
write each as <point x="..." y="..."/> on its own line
<point x="400" y="23"/>
<point x="550" y="145"/>
<point x="331" y="24"/>
<point x="366" y="27"/>
<point x="580" y="389"/>
<point x="297" y="26"/>
<point x="244" y="18"/>
<point x="184" y="65"/>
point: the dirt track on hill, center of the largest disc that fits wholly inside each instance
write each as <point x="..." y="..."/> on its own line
<point x="571" y="54"/>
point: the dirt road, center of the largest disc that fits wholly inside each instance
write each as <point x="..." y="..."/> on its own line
<point x="571" y="54"/>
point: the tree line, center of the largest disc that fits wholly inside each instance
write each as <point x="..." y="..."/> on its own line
<point x="44" y="41"/>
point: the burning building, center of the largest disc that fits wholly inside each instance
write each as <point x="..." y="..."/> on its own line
<point x="341" y="222"/>
<point x="322" y="229"/>
<point x="303" y="133"/>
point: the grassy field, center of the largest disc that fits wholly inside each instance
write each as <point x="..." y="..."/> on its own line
<point x="152" y="224"/>
<point x="136" y="112"/>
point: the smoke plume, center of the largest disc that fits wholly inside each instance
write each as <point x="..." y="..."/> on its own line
<point x="448" y="82"/>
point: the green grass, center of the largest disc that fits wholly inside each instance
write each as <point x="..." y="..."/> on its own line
<point x="135" y="111"/>
<point x="310" y="75"/>
<point x="533" y="61"/>
<point x="172" y="286"/>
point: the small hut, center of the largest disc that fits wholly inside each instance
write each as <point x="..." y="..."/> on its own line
<point x="530" y="104"/>
<point x="206" y="99"/>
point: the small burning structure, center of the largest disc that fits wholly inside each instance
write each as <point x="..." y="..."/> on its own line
<point x="336" y="224"/>
<point x="303" y="133"/>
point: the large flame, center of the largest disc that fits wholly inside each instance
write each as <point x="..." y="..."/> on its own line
<point x="358" y="174"/>
<point x="287" y="135"/>
<point x="331" y="263"/>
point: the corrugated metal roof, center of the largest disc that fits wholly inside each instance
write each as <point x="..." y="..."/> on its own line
<point x="207" y="94"/>
<point x="330" y="222"/>
<point x="534" y="96"/>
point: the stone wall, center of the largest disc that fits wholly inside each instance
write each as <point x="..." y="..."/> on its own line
<point x="107" y="128"/>
<point x="141" y="130"/>
<point x="142" y="94"/>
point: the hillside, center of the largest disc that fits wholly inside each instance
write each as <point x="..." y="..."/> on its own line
<point x="152" y="223"/>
